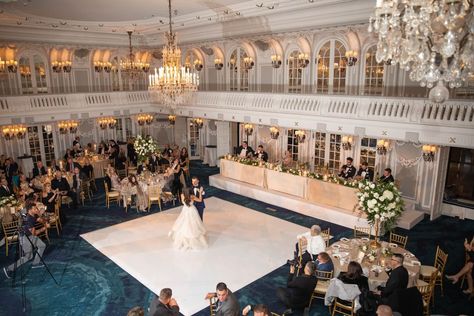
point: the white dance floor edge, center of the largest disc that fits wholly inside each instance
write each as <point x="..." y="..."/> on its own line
<point x="244" y="245"/>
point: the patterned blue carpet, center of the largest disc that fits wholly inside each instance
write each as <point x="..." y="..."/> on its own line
<point x="91" y="284"/>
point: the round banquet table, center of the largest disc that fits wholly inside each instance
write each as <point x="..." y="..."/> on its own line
<point x="346" y="250"/>
<point x="99" y="164"/>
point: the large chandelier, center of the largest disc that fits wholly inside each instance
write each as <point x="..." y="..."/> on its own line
<point x="172" y="82"/>
<point x="130" y="65"/>
<point x="433" y="39"/>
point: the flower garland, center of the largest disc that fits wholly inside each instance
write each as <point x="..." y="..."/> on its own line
<point x="9" y="201"/>
<point x="144" y="147"/>
<point x="381" y="202"/>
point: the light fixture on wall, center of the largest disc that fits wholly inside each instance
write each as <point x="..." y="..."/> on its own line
<point x="429" y="152"/>
<point x="276" y="61"/>
<point x="199" y="122"/>
<point x="68" y="126"/>
<point x="198" y="65"/>
<point x="274" y="132"/>
<point x="107" y="122"/>
<point x="143" y="119"/>
<point x="346" y="142"/>
<point x="218" y="63"/>
<point x="351" y="56"/>
<point x="248" y="129"/>
<point x="382" y="146"/>
<point x="432" y="39"/>
<point x="172" y="119"/>
<point x="100" y="66"/>
<point x="300" y="136"/>
<point x="248" y="63"/>
<point x="303" y="60"/>
<point x="61" y="66"/>
<point x="14" y="131"/>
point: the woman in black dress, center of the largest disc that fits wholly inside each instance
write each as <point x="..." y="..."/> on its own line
<point x="49" y="198"/>
<point x="466" y="270"/>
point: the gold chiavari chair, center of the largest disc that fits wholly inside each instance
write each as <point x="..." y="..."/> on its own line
<point x="213" y="306"/>
<point x="427" y="292"/>
<point x="55" y="220"/>
<point x="341" y="308"/>
<point x="154" y="195"/>
<point x="362" y="231"/>
<point x="111" y="196"/>
<point x="10" y="231"/>
<point x="44" y="234"/>
<point x="398" y="239"/>
<point x="302" y="245"/>
<point x="321" y="288"/>
<point x="85" y="191"/>
<point x="439" y="265"/>
<point x="131" y="170"/>
<point x="326" y="233"/>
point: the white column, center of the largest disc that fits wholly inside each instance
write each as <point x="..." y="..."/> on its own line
<point x="223" y="138"/>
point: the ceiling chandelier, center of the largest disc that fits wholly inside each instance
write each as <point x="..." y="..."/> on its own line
<point x="131" y="66"/>
<point x="172" y="82"/>
<point x="433" y="39"/>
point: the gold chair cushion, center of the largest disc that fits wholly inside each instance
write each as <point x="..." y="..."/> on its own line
<point x="426" y="271"/>
<point x="421" y="283"/>
<point x="114" y="194"/>
<point x="321" y="286"/>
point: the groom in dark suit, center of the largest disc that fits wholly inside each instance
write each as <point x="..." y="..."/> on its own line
<point x="198" y="197"/>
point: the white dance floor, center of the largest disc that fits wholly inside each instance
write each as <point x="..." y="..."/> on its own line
<point x="244" y="245"/>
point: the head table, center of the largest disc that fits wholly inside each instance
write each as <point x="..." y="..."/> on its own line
<point x="346" y="250"/>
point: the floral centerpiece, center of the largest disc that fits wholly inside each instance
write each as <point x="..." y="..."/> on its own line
<point x="381" y="202"/>
<point x="9" y="201"/>
<point x="145" y="146"/>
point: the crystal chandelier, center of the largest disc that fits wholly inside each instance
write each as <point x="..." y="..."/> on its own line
<point x="172" y="82"/>
<point x="130" y="66"/>
<point x="433" y="39"/>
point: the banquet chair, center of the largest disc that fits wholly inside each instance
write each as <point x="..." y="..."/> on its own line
<point x="213" y="306"/>
<point x="322" y="286"/>
<point x="85" y="191"/>
<point x="398" y="239"/>
<point x="10" y="231"/>
<point x="111" y="196"/>
<point x="66" y="200"/>
<point x="44" y="234"/>
<point x="302" y="245"/>
<point x="122" y="173"/>
<point x="339" y="307"/>
<point x="439" y="266"/>
<point x="326" y="233"/>
<point x="362" y="231"/>
<point x="427" y="292"/>
<point x="154" y="195"/>
<point x="131" y="170"/>
<point x="55" y="220"/>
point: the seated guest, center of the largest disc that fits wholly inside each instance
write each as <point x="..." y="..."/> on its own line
<point x="2" y="162"/>
<point x="49" y="197"/>
<point x="324" y="262"/>
<point x="227" y="304"/>
<point x="315" y="244"/>
<point x="120" y="160"/>
<point x="68" y="154"/>
<point x="103" y="148"/>
<point x="11" y="169"/>
<point x="25" y="188"/>
<point x="54" y="166"/>
<point x="387" y="176"/>
<point x="384" y="310"/>
<point x="131" y="153"/>
<point x="76" y="151"/>
<point x="164" y="305"/>
<point x="288" y="159"/>
<point x="88" y="169"/>
<point x="299" y="290"/>
<point x="136" y="311"/>
<point x="153" y="163"/>
<point x="114" y="180"/>
<point x="260" y="154"/>
<point x="77" y="142"/>
<point x="258" y="310"/>
<point x="364" y="172"/>
<point x="90" y="148"/>
<point x="5" y="189"/>
<point x="77" y="180"/>
<point x="39" y="170"/>
<point x="466" y="270"/>
<point x="71" y="165"/>
<point x="245" y="150"/>
<point x="113" y="153"/>
<point x="143" y="166"/>
<point x="59" y="183"/>
<point x="354" y="275"/>
<point x="398" y="278"/>
<point x="348" y="171"/>
<point x="168" y="151"/>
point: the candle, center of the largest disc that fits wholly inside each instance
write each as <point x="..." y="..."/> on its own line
<point x="325" y="177"/>
<point x="61" y="165"/>
<point x="49" y="172"/>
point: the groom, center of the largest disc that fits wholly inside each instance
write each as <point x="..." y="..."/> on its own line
<point x="198" y="192"/>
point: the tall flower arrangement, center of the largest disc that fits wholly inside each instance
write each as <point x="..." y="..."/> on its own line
<point x="382" y="202"/>
<point x="145" y="146"/>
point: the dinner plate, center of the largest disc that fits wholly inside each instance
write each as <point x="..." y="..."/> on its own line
<point x="408" y="255"/>
<point x="365" y="239"/>
<point x="392" y="245"/>
<point x="336" y="256"/>
<point x="344" y="239"/>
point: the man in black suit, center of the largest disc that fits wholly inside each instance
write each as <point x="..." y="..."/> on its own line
<point x="164" y="305"/>
<point x="4" y="188"/>
<point x="11" y="168"/>
<point x="261" y="154"/>
<point x="63" y="187"/>
<point x="348" y="170"/>
<point x="245" y="150"/>
<point x="364" y="172"/>
<point x="153" y="163"/>
<point x="387" y="176"/>
<point x="77" y="180"/>
<point x="39" y="170"/>
<point x="398" y="279"/>
<point x="299" y="290"/>
<point x="70" y="165"/>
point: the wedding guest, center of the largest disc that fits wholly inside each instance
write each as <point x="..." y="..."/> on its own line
<point x="315" y="244"/>
<point x="168" y="152"/>
<point x="5" y="189"/>
<point x="2" y="162"/>
<point x="120" y="160"/>
<point x="245" y="150"/>
<point x="153" y="163"/>
<point x="49" y="197"/>
<point x="25" y="189"/>
<point x="63" y="187"/>
<point x="131" y="153"/>
<point x="77" y="150"/>
<point x="258" y="310"/>
<point x="384" y="310"/>
<point x="227" y="304"/>
<point x="354" y="275"/>
<point x="364" y="172"/>
<point x="70" y="165"/>
<point x="90" y="148"/>
<point x="177" y="171"/>
<point x="77" y="180"/>
<point x="398" y="279"/>
<point x="68" y="154"/>
<point x="287" y="159"/>
<point x="348" y="171"/>
<point x="39" y="170"/>
<point x="54" y="166"/>
<point x="299" y="290"/>
<point x="11" y="169"/>
<point x="260" y="154"/>
<point x="184" y="163"/>
<point x="324" y="262"/>
<point x="164" y="304"/>
<point x="387" y="176"/>
<point x="77" y="142"/>
<point x="103" y="148"/>
<point x="144" y="165"/>
<point x="88" y="169"/>
<point x="466" y="270"/>
<point x="136" y="311"/>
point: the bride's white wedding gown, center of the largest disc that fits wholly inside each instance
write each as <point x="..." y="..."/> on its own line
<point x="188" y="231"/>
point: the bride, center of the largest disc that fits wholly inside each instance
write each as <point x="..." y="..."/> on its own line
<point x="188" y="231"/>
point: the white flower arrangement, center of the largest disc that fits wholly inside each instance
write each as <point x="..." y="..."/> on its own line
<point x="9" y="201"/>
<point x="381" y="202"/>
<point x="144" y="147"/>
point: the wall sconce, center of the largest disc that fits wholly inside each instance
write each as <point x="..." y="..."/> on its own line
<point x="248" y="129"/>
<point x="274" y="132"/>
<point x="382" y="146"/>
<point x="143" y="119"/>
<point x="105" y="122"/>
<point x="8" y="65"/>
<point x="172" y="119"/>
<point x="248" y="63"/>
<point x="303" y="60"/>
<point x="218" y="63"/>
<point x="68" y="126"/>
<point x="276" y="61"/>
<point x="351" y="56"/>
<point x="300" y="136"/>
<point x="12" y="131"/>
<point x="346" y="142"/>
<point x="199" y="122"/>
<point x="198" y="65"/>
<point x="429" y="152"/>
<point x="100" y="66"/>
<point x="59" y="66"/>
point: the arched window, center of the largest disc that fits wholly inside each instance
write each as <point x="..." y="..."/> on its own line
<point x="373" y="73"/>
<point x="25" y="75"/>
<point x="239" y="65"/>
<point x="295" y="72"/>
<point x="32" y="74"/>
<point x="331" y="70"/>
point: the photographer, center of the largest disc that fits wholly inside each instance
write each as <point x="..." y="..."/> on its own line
<point x="28" y="231"/>
<point x="298" y="291"/>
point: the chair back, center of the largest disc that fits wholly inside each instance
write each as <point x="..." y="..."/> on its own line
<point x="340" y="307"/>
<point x="326" y="234"/>
<point x="44" y="234"/>
<point x="10" y="230"/>
<point x="106" y="187"/>
<point x="427" y="292"/>
<point x="324" y="275"/>
<point x="302" y="245"/>
<point x="154" y="191"/>
<point x="362" y="231"/>
<point x="213" y="306"/>
<point x="440" y="260"/>
<point x="398" y="239"/>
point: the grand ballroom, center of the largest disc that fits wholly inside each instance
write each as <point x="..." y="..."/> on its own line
<point x="237" y="157"/>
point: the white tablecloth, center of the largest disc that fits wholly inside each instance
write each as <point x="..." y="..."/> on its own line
<point x="210" y="156"/>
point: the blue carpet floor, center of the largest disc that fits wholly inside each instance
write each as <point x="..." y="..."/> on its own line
<point x="91" y="284"/>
